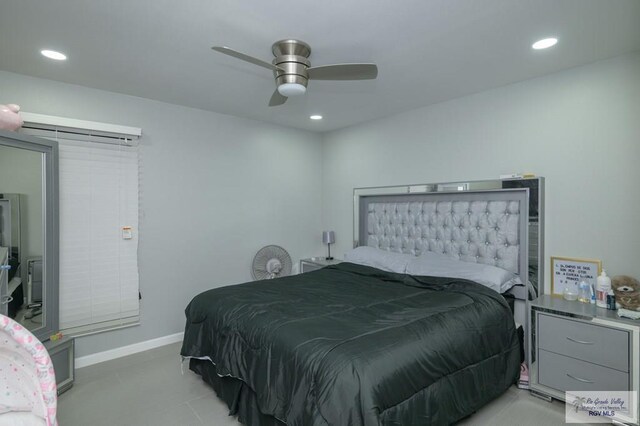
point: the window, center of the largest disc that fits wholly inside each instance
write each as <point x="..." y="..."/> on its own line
<point x="99" y="176"/>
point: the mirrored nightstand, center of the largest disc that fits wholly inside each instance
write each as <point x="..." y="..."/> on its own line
<point x="577" y="346"/>
<point x="63" y="357"/>
<point x="313" y="263"/>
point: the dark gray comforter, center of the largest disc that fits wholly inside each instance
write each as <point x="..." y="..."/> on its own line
<point x="353" y="345"/>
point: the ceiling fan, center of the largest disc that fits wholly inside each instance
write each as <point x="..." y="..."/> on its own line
<point x="292" y="68"/>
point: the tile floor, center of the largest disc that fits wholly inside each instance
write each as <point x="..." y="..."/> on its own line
<point x="149" y="389"/>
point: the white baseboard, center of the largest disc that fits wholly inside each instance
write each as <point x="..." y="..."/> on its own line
<point x="85" y="361"/>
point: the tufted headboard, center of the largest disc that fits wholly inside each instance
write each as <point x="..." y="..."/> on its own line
<point x="489" y="227"/>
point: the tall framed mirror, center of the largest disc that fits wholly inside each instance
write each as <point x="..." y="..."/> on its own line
<point x="29" y="232"/>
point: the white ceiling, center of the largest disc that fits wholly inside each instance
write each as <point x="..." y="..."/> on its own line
<point x="427" y="51"/>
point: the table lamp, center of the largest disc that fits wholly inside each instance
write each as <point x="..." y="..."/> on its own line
<point x="329" y="237"/>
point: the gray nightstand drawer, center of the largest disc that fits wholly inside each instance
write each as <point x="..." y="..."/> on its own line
<point x="601" y="345"/>
<point x="569" y="374"/>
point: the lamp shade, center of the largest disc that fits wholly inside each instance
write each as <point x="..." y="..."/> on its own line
<point x="328" y="237"/>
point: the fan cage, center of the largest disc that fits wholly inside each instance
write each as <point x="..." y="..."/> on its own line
<point x="259" y="265"/>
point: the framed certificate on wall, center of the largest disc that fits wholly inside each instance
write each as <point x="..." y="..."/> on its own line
<point x="569" y="272"/>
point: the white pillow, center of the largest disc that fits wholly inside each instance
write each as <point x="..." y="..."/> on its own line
<point x="381" y="259"/>
<point x="441" y="265"/>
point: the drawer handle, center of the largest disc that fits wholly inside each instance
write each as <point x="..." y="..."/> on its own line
<point x="582" y="342"/>
<point x="579" y="379"/>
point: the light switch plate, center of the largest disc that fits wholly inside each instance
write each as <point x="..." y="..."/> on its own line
<point x="127" y="232"/>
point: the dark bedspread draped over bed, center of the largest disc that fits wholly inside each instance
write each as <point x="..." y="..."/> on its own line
<point x="353" y="345"/>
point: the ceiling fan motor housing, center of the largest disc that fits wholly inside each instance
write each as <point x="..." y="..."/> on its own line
<point x="291" y="57"/>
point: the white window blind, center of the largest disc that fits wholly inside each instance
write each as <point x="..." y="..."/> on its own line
<point x="98" y="197"/>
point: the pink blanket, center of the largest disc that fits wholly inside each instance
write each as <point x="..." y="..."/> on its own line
<point x="28" y="382"/>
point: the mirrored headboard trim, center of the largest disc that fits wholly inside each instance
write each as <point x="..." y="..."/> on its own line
<point x="50" y="223"/>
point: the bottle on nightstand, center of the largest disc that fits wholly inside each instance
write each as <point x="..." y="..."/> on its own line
<point x="603" y="286"/>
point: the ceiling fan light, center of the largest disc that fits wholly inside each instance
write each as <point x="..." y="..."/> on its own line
<point x="291" y="89"/>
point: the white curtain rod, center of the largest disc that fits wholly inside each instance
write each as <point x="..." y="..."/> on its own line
<point x="41" y="121"/>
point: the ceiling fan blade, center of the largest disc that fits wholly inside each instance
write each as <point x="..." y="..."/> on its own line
<point x="344" y="72"/>
<point x="277" y="99"/>
<point x="246" y="58"/>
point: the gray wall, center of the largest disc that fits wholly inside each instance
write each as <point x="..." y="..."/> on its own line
<point x="214" y="189"/>
<point x="206" y="175"/>
<point x="21" y="173"/>
<point x="579" y="128"/>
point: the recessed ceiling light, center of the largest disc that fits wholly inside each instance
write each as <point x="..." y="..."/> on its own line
<point x="545" y="43"/>
<point x="53" y="54"/>
<point x="315" y="117"/>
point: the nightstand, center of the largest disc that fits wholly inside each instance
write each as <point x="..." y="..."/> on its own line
<point x="313" y="263"/>
<point x="575" y="346"/>
<point x="62" y="356"/>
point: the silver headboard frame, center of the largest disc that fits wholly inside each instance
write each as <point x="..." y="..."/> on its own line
<point x="483" y="221"/>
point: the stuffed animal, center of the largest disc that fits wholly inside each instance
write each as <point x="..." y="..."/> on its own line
<point x="627" y="291"/>
<point x="9" y="117"/>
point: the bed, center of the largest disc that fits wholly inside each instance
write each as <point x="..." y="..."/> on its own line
<point x="352" y="344"/>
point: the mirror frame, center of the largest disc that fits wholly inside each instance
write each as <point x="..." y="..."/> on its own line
<point x="50" y="225"/>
